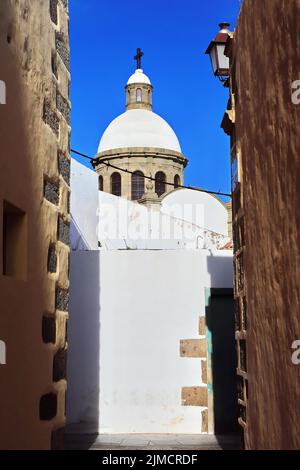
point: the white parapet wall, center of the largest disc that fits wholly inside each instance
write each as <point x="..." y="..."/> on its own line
<point x="84" y="207"/>
<point x="186" y="219"/>
<point x="178" y="225"/>
<point x="197" y="207"/>
<point x="128" y="312"/>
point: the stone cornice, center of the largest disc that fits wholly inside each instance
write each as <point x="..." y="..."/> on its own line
<point x="140" y="85"/>
<point x="140" y="152"/>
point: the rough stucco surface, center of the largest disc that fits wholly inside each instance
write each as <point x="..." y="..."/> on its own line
<point x="266" y="48"/>
<point x="30" y="325"/>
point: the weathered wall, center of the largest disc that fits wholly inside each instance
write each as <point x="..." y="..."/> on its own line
<point x="266" y="56"/>
<point x="34" y="177"/>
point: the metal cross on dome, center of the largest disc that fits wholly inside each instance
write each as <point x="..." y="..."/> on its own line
<point x="138" y="58"/>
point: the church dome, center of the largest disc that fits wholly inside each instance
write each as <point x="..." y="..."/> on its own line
<point x="138" y="77"/>
<point x="139" y="128"/>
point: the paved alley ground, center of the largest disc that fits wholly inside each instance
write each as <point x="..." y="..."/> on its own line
<point x="77" y="441"/>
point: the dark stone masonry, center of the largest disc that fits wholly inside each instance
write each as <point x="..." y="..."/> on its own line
<point x="49" y="329"/>
<point x="60" y="365"/>
<point x="64" y="166"/>
<point x="52" y="259"/>
<point x="63" y="106"/>
<point x="63" y="230"/>
<point x="50" y="117"/>
<point x="62" y="299"/>
<point x="62" y="49"/>
<point x="51" y="191"/>
<point x="53" y="10"/>
<point x="54" y="64"/>
<point x="48" y="406"/>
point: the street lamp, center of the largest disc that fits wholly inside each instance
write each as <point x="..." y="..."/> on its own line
<point x="216" y="50"/>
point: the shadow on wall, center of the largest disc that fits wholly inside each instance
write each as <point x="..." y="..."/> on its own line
<point x="78" y="241"/>
<point x="221" y="330"/>
<point x="220" y="269"/>
<point x="220" y="323"/>
<point x="84" y="352"/>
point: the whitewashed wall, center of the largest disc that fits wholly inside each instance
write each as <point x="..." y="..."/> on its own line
<point x="84" y="338"/>
<point x="187" y="219"/>
<point x="124" y="363"/>
<point x="185" y="204"/>
<point x="84" y="207"/>
<point x="131" y="302"/>
<point x="127" y="225"/>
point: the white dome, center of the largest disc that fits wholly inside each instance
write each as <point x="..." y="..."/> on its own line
<point x="139" y="77"/>
<point x="207" y="211"/>
<point x="139" y="128"/>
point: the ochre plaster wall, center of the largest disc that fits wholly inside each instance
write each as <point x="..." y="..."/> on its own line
<point x="34" y="177"/>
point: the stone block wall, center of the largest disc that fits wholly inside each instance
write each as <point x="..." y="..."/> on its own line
<point x="198" y="395"/>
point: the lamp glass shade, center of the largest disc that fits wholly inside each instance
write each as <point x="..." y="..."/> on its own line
<point x="219" y="61"/>
<point x="213" y="58"/>
<point x="222" y="59"/>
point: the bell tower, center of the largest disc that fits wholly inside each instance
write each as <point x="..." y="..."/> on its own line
<point x="139" y="88"/>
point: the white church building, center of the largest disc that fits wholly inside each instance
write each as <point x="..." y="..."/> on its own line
<point x="151" y="316"/>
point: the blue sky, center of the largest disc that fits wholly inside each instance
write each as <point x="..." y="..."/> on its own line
<point x="173" y="35"/>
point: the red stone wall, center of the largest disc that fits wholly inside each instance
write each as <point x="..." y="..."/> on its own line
<point x="267" y="125"/>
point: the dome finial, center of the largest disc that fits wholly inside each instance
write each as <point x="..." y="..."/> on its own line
<point x="138" y="58"/>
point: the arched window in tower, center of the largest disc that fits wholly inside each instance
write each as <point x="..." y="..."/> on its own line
<point x="176" y="181"/>
<point x="160" y="183"/>
<point x="116" y="184"/>
<point x="100" y="181"/>
<point x="138" y="95"/>
<point x="137" y="185"/>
